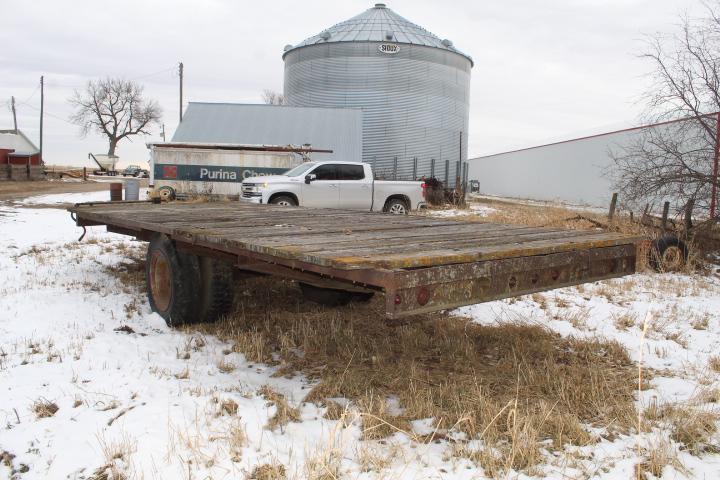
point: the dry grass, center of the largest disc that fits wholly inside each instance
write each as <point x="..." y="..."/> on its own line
<point x="625" y="320"/>
<point x="514" y="386"/>
<point x="226" y="367"/>
<point x="268" y="471"/>
<point x="714" y="363"/>
<point x="43" y="408"/>
<point x="284" y="413"/>
<point x="656" y="457"/>
<point x="694" y="428"/>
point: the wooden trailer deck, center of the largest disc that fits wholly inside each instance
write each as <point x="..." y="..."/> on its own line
<point x="422" y="264"/>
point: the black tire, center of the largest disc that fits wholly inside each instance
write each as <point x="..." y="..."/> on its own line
<point x="173" y="281"/>
<point x="396" y="206"/>
<point x="166" y="193"/>
<point x="329" y="297"/>
<point x="284" y="200"/>
<point x="216" y="288"/>
<point x="668" y="254"/>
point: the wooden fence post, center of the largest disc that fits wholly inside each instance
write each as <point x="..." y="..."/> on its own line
<point x="84" y="173"/>
<point x="666" y="211"/>
<point x="613" y="205"/>
<point x="688" y="214"/>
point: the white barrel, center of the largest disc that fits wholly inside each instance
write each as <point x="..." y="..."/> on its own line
<point x="132" y="189"/>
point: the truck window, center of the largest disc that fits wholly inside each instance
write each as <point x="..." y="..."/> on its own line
<point x="326" y="171"/>
<point x="299" y="170"/>
<point x="350" y="172"/>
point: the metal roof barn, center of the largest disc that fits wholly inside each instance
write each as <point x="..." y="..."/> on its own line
<point x="336" y="129"/>
<point x="413" y="87"/>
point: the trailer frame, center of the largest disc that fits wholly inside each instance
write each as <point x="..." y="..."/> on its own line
<point x="441" y="264"/>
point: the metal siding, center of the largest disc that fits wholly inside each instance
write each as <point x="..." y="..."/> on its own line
<point x="415" y="103"/>
<point x="574" y="171"/>
<point x="373" y="25"/>
<point x="337" y="129"/>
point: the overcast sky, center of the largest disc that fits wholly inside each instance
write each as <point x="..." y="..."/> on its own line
<point x="543" y="70"/>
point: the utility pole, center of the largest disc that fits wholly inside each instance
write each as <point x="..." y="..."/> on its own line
<point x="12" y="106"/>
<point x="181" y="88"/>
<point x="163" y="132"/>
<point x="713" y="199"/>
<point x="42" y="106"/>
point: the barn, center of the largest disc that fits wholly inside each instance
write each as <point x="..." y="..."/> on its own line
<point x="20" y="159"/>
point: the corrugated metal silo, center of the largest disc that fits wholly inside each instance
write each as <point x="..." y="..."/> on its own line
<point x="413" y="87"/>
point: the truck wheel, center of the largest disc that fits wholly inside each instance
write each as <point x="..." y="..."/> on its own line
<point x="216" y="288"/>
<point x="173" y="281"/>
<point x="284" y="201"/>
<point x="329" y="297"/>
<point x="166" y="193"/>
<point x="396" y="207"/>
<point x="668" y="254"/>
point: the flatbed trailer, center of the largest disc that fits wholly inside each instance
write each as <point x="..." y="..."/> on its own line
<point x="421" y="264"/>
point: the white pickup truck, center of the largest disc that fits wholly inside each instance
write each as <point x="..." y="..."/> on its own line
<point x="349" y="185"/>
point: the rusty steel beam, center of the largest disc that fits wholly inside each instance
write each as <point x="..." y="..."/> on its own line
<point x="440" y="288"/>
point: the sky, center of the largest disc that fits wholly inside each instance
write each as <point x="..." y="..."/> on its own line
<point x="544" y="71"/>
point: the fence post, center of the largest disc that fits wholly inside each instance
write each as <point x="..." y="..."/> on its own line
<point x="432" y="168"/>
<point x="613" y="205"/>
<point x="447" y="173"/>
<point x="666" y="211"/>
<point x="414" y="168"/>
<point x="688" y="214"/>
<point x="395" y="168"/>
<point x="84" y="173"/>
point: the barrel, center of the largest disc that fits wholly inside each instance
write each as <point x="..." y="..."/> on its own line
<point x="132" y="189"/>
<point x="116" y="190"/>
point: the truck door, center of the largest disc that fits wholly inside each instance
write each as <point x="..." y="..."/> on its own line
<point x="355" y="189"/>
<point x="322" y="192"/>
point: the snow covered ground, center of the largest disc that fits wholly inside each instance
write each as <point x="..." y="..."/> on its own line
<point x="136" y="399"/>
<point x="473" y="209"/>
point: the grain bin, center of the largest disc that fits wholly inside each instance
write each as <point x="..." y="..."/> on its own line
<point x="413" y="87"/>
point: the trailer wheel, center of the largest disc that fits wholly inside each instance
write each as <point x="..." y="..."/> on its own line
<point x="172" y="281"/>
<point x="668" y="254"/>
<point x="216" y="292"/>
<point x="166" y="193"/>
<point x="329" y="297"/>
<point x="284" y="201"/>
<point x="396" y="207"/>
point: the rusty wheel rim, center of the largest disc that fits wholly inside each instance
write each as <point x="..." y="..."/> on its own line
<point x="672" y="258"/>
<point x="160" y="280"/>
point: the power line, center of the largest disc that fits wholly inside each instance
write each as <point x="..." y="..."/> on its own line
<point x="50" y="114"/>
<point x="156" y="73"/>
<point x="37" y="87"/>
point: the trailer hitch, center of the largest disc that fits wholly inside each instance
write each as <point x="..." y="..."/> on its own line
<point x="74" y="217"/>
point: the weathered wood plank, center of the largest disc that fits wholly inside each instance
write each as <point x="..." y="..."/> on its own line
<point x="342" y="238"/>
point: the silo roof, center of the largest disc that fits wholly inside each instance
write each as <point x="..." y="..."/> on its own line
<point x="378" y="24"/>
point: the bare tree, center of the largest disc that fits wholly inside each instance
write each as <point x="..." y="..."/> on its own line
<point x="271" y="97"/>
<point x="114" y="108"/>
<point x="677" y="159"/>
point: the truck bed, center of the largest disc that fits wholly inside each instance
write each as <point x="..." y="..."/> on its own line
<point x="422" y="264"/>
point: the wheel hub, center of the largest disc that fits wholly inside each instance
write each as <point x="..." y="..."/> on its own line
<point x="672" y="258"/>
<point x="397" y="209"/>
<point x="160" y="280"/>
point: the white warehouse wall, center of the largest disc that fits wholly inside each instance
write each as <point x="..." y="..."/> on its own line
<point x="571" y="171"/>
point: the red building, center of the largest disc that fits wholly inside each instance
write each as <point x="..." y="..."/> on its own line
<point x="20" y="159"/>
